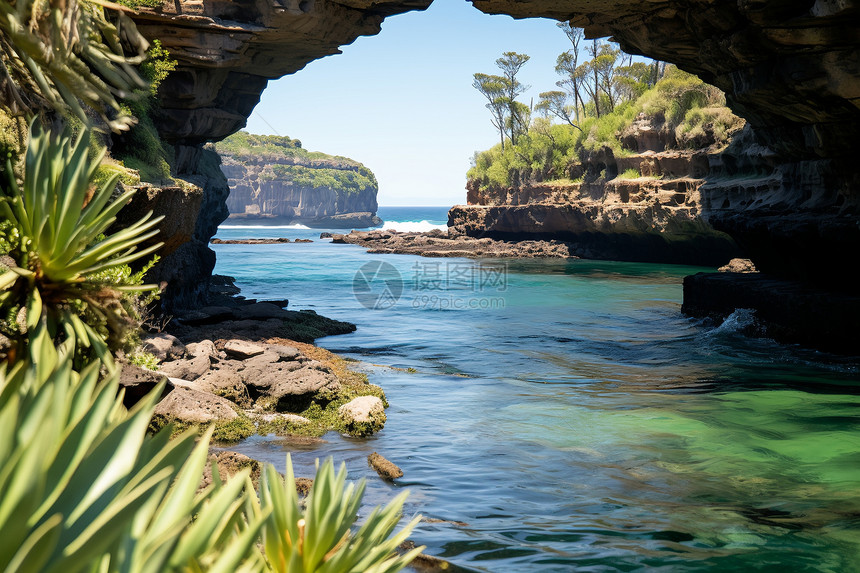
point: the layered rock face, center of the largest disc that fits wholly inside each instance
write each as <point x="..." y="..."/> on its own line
<point x="789" y="192"/>
<point x="285" y="183"/>
<point x="656" y="217"/>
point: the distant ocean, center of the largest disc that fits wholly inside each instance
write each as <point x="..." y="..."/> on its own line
<point x="404" y="219"/>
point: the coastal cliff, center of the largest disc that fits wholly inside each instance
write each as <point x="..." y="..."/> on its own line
<point x="273" y="178"/>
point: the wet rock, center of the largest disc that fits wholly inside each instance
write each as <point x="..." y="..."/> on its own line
<point x="261" y="311"/>
<point x="242" y="349"/>
<point x="383" y="467"/>
<point x="193" y="406"/>
<point x="362" y="416"/>
<point x="164" y="346"/>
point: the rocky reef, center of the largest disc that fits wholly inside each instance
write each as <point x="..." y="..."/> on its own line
<point x="273" y="178"/>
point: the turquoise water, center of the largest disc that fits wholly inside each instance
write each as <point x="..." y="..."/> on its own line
<point x="565" y="416"/>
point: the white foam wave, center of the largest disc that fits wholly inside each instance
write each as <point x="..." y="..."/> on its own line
<point x="413" y="226"/>
<point x="296" y="226"/>
<point x="737" y="321"/>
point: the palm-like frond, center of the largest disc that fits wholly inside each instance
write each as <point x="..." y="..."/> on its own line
<point x="63" y="55"/>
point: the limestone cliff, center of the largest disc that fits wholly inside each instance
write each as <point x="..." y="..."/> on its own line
<point x="274" y="178"/>
<point x="642" y="206"/>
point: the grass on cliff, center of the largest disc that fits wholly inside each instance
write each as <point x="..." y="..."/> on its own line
<point x="692" y="112"/>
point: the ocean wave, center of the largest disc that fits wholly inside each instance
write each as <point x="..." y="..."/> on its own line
<point x="413" y="226"/>
<point x="296" y="226"/>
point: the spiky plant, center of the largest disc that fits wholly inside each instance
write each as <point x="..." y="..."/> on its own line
<point x="56" y="221"/>
<point x="320" y="538"/>
<point x="67" y="56"/>
<point x="84" y="488"/>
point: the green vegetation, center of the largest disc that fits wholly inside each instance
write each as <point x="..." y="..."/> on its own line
<point x="286" y="160"/>
<point x="319" y="538"/>
<point x="142" y="149"/>
<point x="84" y="486"/>
<point x="66" y="57"/>
<point x="693" y="112"/>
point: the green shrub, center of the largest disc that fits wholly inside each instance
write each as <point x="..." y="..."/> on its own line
<point x="629" y="174"/>
<point x="144" y="360"/>
<point x="62" y="253"/>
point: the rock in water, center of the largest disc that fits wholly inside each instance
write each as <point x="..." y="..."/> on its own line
<point x="362" y="416"/>
<point x="383" y="467"/>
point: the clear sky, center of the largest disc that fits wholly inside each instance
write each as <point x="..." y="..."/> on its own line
<point x="402" y="102"/>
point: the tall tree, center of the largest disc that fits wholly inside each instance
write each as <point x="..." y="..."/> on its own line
<point x="566" y="64"/>
<point x="511" y="63"/>
<point x="493" y="88"/>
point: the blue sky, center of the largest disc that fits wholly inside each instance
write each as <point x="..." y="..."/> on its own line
<point x="402" y="102"/>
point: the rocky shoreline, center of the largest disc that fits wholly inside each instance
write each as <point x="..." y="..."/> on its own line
<point x="436" y="243"/>
<point x="247" y="367"/>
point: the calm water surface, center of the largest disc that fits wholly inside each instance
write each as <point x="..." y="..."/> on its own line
<point x="564" y="416"/>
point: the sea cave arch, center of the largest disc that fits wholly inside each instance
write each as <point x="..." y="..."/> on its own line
<point x="790" y="68"/>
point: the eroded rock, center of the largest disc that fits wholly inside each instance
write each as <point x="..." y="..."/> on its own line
<point x="164" y="346"/>
<point x="193" y="406"/>
<point x="242" y="349"/>
<point x="383" y="467"/>
<point x="362" y="416"/>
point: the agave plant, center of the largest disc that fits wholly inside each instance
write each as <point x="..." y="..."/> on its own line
<point x="83" y="485"/>
<point x="58" y="220"/>
<point x="320" y="539"/>
<point x="84" y="488"/>
<point x="67" y="56"/>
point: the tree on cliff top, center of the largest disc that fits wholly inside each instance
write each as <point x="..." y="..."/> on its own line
<point x="509" y="116"/>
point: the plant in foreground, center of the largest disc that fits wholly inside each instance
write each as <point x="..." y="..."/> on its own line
<point x="84" y="487"/>
<point x="57" y="219"/>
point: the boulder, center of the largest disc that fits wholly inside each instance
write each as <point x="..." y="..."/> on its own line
<point x="738" y="266"/>
<point x="224" y="380"/>
<point x="242" y="349"/>
<point x="285" y="353"/>
<point x="261" y="371"/>
<point x="187" y="368"/>
<point x="193" y="406"/>
<point x="164" y="346"/>
<point x="137" y="383"/>
<point x="303" y="383"/>
<point x="362" y="416"/>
